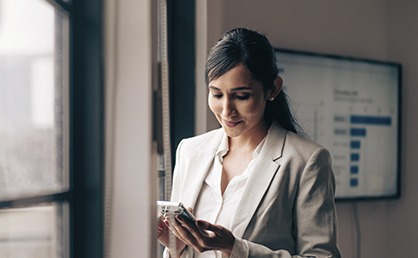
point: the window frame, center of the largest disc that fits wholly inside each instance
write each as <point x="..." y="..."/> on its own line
<point x="181" y="57"/>
<point x="85" y="195"/>
<point x="87" y="130"/>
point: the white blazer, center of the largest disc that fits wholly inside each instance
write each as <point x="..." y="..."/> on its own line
<point x="287" y="208"/>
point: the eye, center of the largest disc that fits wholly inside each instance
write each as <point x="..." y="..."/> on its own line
<point x="216" y="95"/>
<point x="243" y="96"/>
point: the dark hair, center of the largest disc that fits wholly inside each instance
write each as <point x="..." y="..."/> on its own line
<point x="248" y="47"/>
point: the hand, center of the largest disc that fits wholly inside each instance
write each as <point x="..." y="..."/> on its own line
<point x="163" y="235"/>
<point x="204" y="236"/>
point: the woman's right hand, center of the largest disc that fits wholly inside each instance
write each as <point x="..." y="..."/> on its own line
<point x="163" y="235"/>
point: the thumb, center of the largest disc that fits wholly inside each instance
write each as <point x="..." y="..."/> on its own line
<point x="208" y="226"/>
<point x="203" y="224"/>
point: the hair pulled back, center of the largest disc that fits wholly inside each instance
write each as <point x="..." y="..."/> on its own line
<point x="248" y="47"/>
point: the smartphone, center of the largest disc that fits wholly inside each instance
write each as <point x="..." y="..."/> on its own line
<point x="175" y="208"/>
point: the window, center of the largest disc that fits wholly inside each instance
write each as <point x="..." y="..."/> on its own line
<point x="51" y="172"/>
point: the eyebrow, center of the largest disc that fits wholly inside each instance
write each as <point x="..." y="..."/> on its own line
<point x="233" y="89"/>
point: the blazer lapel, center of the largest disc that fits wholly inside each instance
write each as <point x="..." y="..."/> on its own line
<point x="200" y="164"/>
<point x="264" y="171"/>
<point x="252" y="195"/>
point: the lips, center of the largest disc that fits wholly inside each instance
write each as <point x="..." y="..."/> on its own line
<point x="231" y="123"/>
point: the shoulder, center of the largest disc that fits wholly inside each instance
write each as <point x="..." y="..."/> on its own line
<point x="303" y="148"/>
<point x="287" y="145"/>
<point x="308" y="163"/>
<point x="201" y="143"/>
<point x="301" y="143"/>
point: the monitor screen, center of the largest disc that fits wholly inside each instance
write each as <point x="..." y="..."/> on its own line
<point x="352" y="107"/>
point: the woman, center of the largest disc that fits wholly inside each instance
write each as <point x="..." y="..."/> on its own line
<point x="257" y="188"/>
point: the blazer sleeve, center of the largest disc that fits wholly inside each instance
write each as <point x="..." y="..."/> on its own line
<point x="314" y="215"/>
<point x="178" y="177"/>
<point x="178" y="174"/>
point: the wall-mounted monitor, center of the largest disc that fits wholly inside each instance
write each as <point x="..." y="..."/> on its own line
<point x="350" y="106"/>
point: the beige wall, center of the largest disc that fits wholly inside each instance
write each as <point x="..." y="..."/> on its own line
<point x="376" y="29"/>
<point x="130" y="59"/>
<point x="402" y="42"/>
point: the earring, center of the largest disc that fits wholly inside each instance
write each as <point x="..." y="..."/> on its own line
<point x="271" y="99"/>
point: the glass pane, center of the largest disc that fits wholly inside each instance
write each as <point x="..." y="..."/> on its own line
<point x="37" y="232"/>
<point x="33" y="98"/>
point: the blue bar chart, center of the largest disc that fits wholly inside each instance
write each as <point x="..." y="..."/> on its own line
<point x="358" y="138"/>
<point x="352" y="109"/>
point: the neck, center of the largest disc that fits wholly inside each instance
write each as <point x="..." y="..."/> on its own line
<point x="249" y="141"/>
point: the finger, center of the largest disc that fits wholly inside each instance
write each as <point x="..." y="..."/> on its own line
<point x="181" y="232"/>
<point x="205" y="225"/>
<point x="219" y="238"/>
<point x="189" y="224"/>
<point x="160" y="228"/>
<point x="198" y="233"/>
<point x="194" y="236"/>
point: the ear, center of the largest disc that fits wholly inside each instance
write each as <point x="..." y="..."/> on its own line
<point x="278" y="82"/>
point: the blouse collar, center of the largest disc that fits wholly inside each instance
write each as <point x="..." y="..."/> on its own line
<point x="224" y="148"/>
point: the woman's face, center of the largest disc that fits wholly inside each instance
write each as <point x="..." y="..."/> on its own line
<point x="238" y="102"/>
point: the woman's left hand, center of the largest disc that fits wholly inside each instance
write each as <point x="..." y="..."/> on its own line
<point x="204" y="236"/>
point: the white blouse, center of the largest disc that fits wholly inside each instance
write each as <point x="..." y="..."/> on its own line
<point x="214" y="207"/>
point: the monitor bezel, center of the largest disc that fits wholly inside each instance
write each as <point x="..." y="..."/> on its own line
<point x="392" y="64"/>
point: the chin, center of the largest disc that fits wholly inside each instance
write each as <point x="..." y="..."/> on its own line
<point x="231" y="132"/>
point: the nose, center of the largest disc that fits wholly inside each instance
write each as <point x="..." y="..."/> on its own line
<point x="228" y="107"/>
